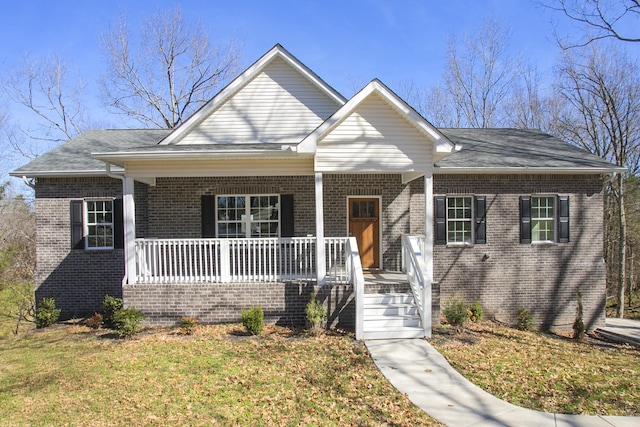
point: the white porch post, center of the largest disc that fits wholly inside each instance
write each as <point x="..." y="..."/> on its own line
<point x="427" y="251"/>
<point x="321" y="263"/>
<point x="428" y="225"/>
<point x="129" y="218"/>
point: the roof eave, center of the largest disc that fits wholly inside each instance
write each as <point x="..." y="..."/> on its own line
<point x="58" y="173"/>
<point x="529" y="170"/>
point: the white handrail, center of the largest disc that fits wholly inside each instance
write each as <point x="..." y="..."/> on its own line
<point x="356" y="278"/>
<point x="415" y="268"/>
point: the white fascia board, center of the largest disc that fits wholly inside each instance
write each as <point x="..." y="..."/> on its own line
<point x="527" y="170"/>
<point x="61" y="174"/>
<point x="114" y="157"/>
<point x="249" y="74"/>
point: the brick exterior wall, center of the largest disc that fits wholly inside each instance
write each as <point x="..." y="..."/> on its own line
<point x="505" y="275"/>
<point x="283" y="303"/>
<point x="542" y="278"/>
<point x="77" y="279"/>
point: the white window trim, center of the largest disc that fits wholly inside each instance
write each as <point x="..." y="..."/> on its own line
<point x="472" y="220"/>
<point x="85" y="223"/>
<point x="247" y="221"/>
<point x="554" y="197"/>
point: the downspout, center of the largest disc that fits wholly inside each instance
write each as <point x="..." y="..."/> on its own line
<point x="121" y="178"/>
<point x="27" y="182"/>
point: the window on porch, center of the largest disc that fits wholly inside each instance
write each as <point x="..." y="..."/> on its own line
<point x="248" y="215"/>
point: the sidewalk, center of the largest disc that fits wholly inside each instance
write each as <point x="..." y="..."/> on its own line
<point x="621" y="330"/>
<point x="414" y="367"/>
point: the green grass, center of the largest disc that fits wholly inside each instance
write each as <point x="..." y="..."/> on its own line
<point x="545" y="372"/>
<point x="71" y="375"/>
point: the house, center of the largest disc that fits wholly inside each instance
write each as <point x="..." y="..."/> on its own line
<point x="279" y="187"/>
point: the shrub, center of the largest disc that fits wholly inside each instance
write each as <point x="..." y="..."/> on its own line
<point x="524" y="320"/>
<point x="127" y="321"/>
<point x="47" y="314"/>
<point x="110" y="305"/>
<point x="578" y="325"/>
<point x="316" y="312"/>
<point x="253" y="320"/>
<point x="95" y="321"/>
<point x="456" y="313"/>
<point x="475" y="312"/>
<point x="188" y="325"/>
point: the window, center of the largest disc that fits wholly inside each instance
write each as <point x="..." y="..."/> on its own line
<point x="248" y="216"/>
<point x="460" y="220"/>
<point x="99" y="224"/>
<point x="544" y="219"/>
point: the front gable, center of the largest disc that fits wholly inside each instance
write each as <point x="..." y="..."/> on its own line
<point x="277" y="100"/>
<point x="376" y="131"/>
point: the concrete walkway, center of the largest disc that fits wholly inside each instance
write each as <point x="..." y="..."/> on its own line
<point x="414" y="367"/>
<point x="621" y="330"/>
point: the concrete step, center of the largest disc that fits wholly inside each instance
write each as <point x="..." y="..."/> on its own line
<point x="390" y="309"/>
<point x="370" y="322"/>
<point x="388" y="298"/>
<point x="386" y="333"/>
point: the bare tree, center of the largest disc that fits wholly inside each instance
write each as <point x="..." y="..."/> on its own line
<point x="479" y="75"/>
<point x="46" y="88"/>
<point x="601" y="19"/>
<point x="601" y="90"/>
<point x="17" y="257"/>
<point x="168" y="72"/>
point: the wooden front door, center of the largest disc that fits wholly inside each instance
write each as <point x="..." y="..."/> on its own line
<point x="364" y="225"/>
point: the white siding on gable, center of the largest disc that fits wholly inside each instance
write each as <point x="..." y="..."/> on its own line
<point x="279" y="105"/>
<point x="374" y="138"/>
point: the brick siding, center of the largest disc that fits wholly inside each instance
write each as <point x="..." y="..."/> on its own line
<point x="505" y="275"/>
<point x="77" y="279"/>
<point x="543" y="278"/>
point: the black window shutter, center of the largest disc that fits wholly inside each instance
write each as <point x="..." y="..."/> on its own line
<point x="77" y="228"/>
<point x="563" y="219"/>
<point x="481" y="222"/>
<point x="441" y="219"/>
<point x="208" y="215"/>
<point x="118" y="224"/>
<point x="525" y="219"/>
<point x="286" y="215"/>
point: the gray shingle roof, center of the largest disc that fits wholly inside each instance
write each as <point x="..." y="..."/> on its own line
<point x="74" y="156"/>
<point x="515" y="148"/>
<point x="482" y="150"/>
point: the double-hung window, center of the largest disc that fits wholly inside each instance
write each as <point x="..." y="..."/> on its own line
<point x="460" y="220"/>
<point x="99" y="224"/>
<point x="248" y="216"/>
<point x="96" y="224"/>
<point x="459" y="216"/>
<point x="544" y="219"/>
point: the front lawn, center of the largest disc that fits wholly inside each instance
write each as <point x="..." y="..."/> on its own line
<point x="72" y="375"/>
<point x="546" y="372"/>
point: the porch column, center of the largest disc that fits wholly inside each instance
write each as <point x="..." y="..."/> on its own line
<point x="129" y="218"/>
<point x="428" y="226"/>
<point x="321" y="263"/>
<point x="427" y="252"/>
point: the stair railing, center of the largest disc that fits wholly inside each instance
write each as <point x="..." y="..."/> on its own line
<point x="356" y="278"/>
<point x="416" y="272"/>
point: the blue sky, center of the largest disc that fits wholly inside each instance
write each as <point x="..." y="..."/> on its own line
<point x="347" y="42"/>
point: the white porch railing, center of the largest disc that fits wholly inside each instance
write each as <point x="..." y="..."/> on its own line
<point x="414" y="265"/>
<point x="237" y="260"/>
<point x="356" y="277"/>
